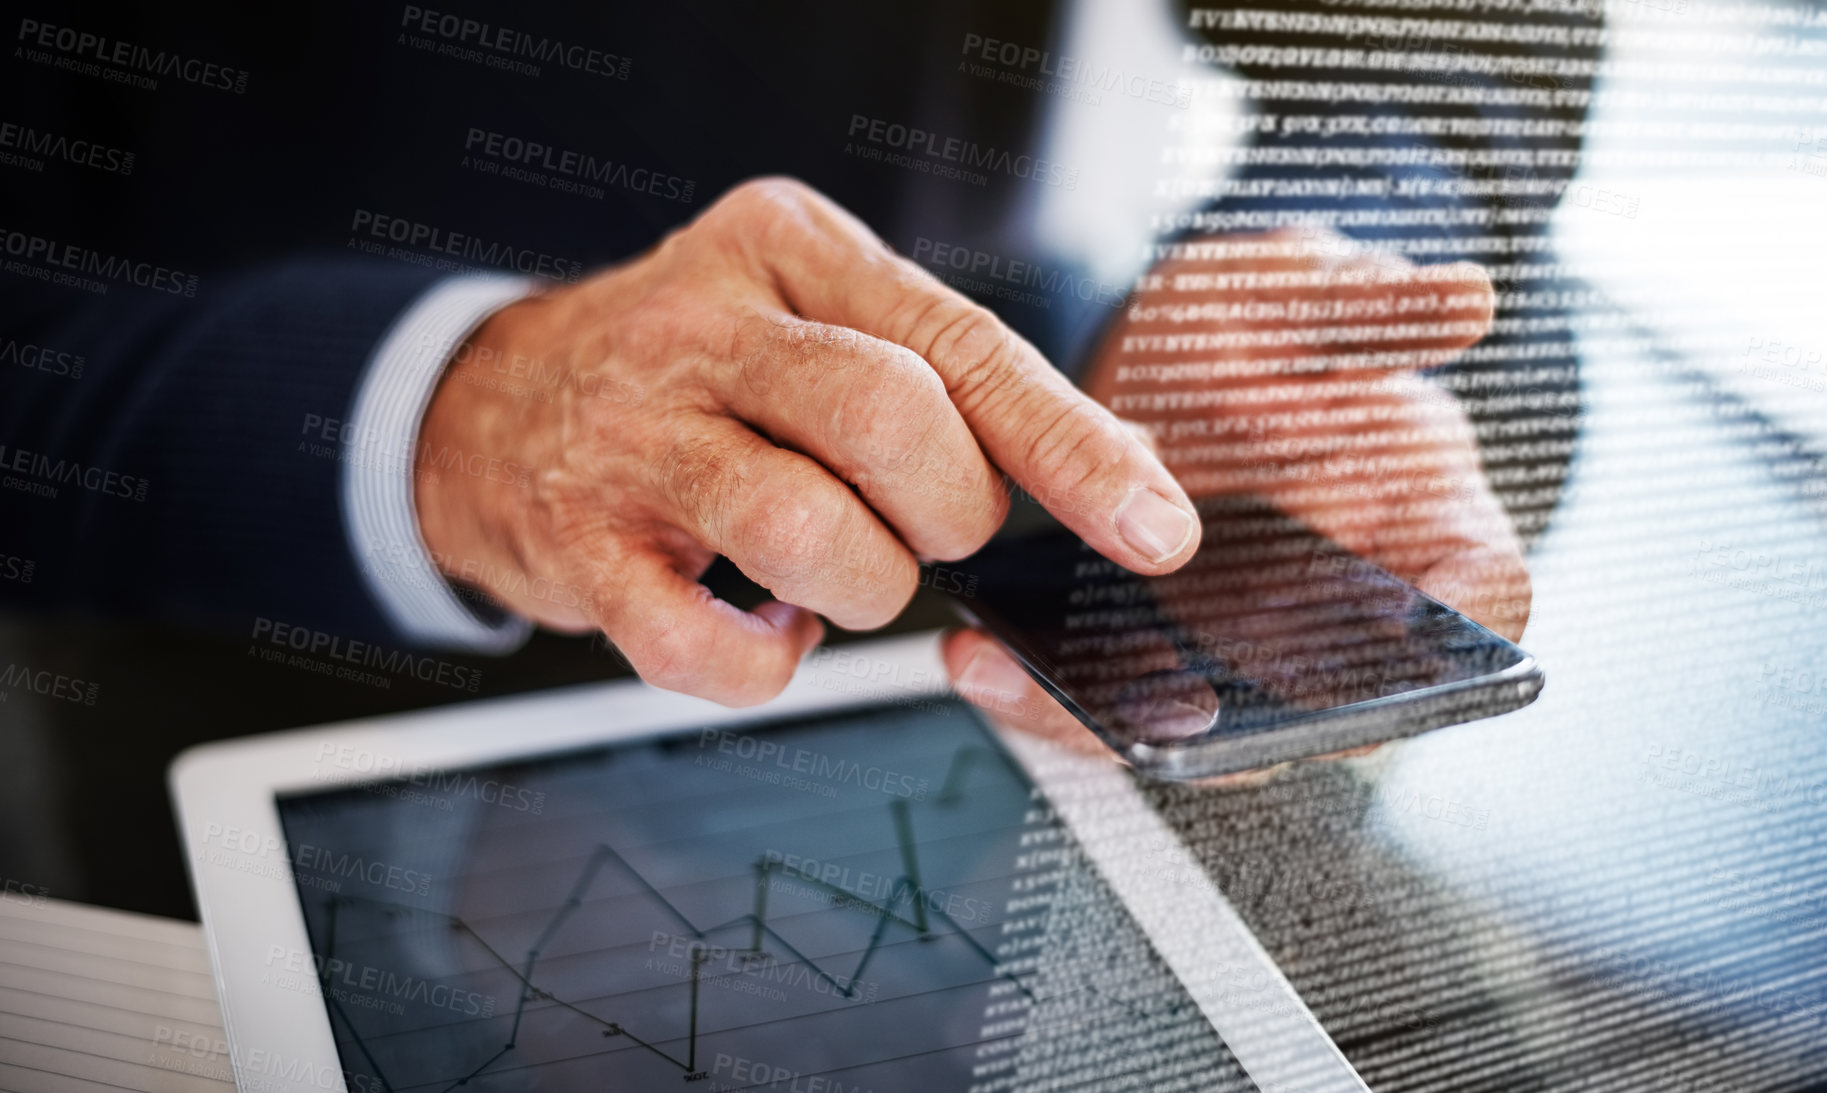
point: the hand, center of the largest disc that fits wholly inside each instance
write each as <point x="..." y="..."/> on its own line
<point x="773" y="385"/>
<point x="1301" y="389"/>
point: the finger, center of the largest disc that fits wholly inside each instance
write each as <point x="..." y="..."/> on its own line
<point x="787" y="524"/>
<point x="1461" y="549"/>
<point x="1441" y="311"/>
<point x="1071" y="454"/>
<point x="877" y="416"/>
<point x="1391" y="314"/>
<point x="985" y="675"/>
<point x="1300" y="300"/>
<point x="1437" y="523"/>
<point x="680" y="637"/>
<point x="1138" y="688"/>
<point x="1490" y="584"/>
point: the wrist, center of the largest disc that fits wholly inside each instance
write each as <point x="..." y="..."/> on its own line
<point x="457" y="467"/>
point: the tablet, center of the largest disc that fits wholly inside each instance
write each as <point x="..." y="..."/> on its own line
<point x="860" y="886"/>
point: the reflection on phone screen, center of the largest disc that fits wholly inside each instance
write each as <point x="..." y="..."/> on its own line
<point x="1268" y="622"/>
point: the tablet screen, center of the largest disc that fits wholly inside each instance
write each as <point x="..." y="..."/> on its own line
<point x="877" y="899"/>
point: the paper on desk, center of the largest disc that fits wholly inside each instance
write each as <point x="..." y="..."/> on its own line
<point x="93" y="999"/>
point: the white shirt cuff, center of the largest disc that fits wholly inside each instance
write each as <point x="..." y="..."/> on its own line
<point x="378" y="459"/>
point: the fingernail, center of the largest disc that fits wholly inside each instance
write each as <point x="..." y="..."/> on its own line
<point x="993" y="671"/>
<point x="1157" y="528"/>
<point x="1174" y="719"/>
<point x="1167" y="704"/>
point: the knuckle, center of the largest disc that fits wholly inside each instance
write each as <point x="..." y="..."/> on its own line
<point x="819" y="353"/>
<point x="893" y="426"/>
<point x="795" y="531"/>
<point x="698" y="475"/>
<point x="754" y="341"/>
<point x="771" y="202"/>
<point x="986" y="356"/>
<point x="913" y="451"/>
<point x="771" y="190"/>
<point x="1080" y="443"/>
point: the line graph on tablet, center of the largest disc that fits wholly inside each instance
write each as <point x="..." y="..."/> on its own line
<point x="744" y="944"/>
<point x="859" y="902"/>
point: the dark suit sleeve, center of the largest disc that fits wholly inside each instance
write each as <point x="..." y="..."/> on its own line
<point x="185" y="473"/>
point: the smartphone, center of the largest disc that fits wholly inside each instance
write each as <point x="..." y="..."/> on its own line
<point x="1272" y="643"/>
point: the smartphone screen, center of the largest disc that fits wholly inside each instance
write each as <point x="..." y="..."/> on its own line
<point x="1269" y="626"/>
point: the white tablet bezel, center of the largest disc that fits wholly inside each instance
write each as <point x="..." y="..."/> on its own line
<point x="225" y="795"/>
